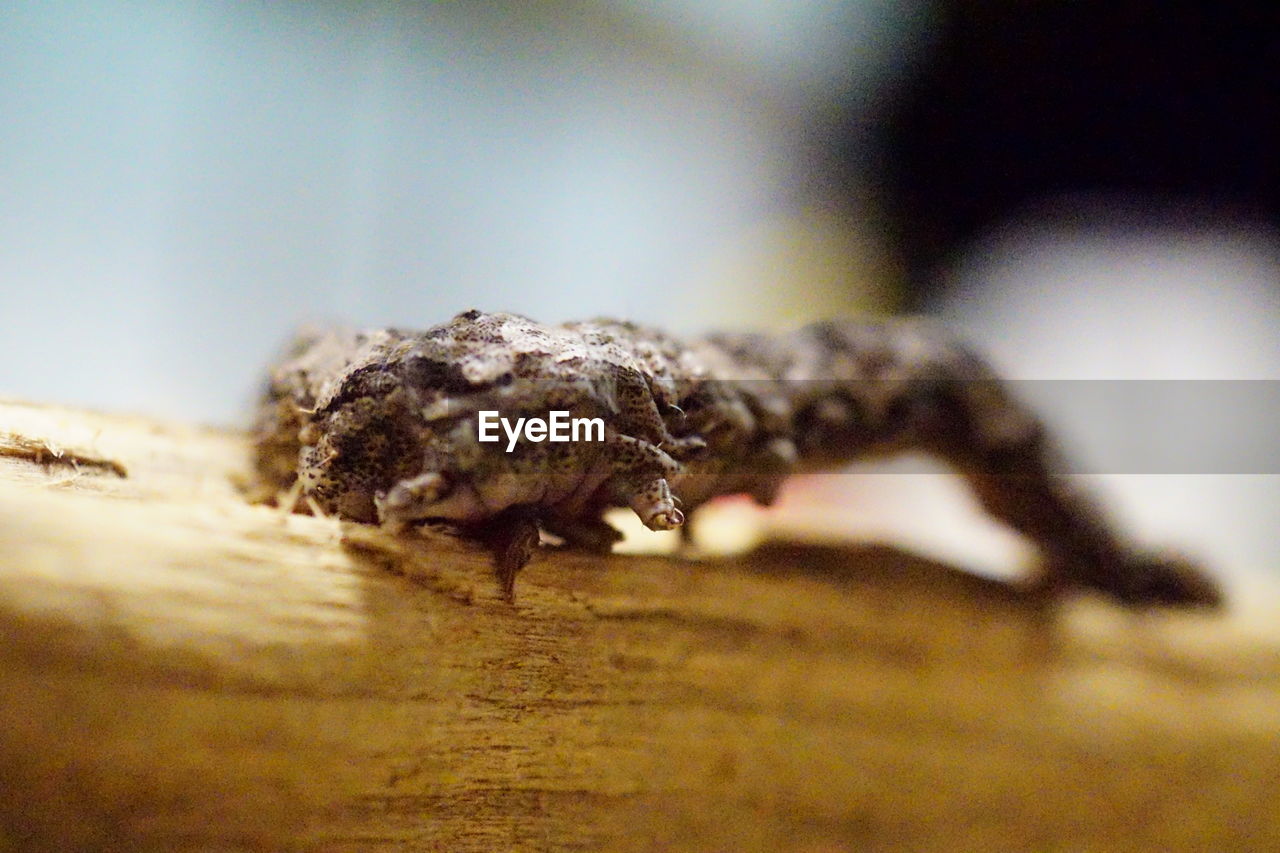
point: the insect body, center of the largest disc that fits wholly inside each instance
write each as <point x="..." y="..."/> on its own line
<point x="386" y="426"/>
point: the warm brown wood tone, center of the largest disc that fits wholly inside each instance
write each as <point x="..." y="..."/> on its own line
<point x="180" y="669"/>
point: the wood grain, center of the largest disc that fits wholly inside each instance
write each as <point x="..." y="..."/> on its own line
<point x="180" y="669"/>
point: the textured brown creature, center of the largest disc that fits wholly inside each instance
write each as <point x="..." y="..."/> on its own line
<point x="382" y="427"/>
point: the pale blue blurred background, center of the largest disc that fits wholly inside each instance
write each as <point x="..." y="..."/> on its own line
<point x="183" y="183"/>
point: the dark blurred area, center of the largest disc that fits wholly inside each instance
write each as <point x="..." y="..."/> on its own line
<point x="1088" y="191"/>
<point x="1169" y="106"/>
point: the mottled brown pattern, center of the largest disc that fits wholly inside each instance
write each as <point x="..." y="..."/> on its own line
<point x="381" y="427"/>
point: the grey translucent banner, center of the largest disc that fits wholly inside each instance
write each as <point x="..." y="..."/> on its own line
<point x="1099" y="426"/>
<point x="1160" y="426"/>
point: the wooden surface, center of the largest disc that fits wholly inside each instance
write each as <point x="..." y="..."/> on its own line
<point x="182" y="670"/>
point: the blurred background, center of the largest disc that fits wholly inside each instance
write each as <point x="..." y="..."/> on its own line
<point x="1086" y="190"/>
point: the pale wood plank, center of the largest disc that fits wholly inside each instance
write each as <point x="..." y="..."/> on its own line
<point x="180" y="669"/>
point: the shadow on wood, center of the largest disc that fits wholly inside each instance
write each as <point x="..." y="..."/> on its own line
<point x="182" y="670"/>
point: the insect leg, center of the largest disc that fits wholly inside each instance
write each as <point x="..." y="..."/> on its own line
<point x="512" y="536"/>
<point x="641" y="471"/>
<point x="1005" y="455"/>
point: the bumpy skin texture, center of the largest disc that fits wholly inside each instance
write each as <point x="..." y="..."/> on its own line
<point x="381" y="427"/>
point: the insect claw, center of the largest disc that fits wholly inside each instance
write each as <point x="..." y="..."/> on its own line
<point x="513" y="538"/>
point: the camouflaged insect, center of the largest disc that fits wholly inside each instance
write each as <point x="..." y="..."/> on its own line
<point x="381" y="427"/>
